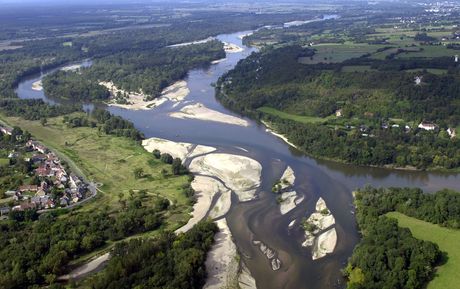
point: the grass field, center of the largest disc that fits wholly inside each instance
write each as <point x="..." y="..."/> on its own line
<point x="295" y="117"/>
<point x="337" y="52"/>
<point x="110" y="160"/>
<point x="447" y="275"/>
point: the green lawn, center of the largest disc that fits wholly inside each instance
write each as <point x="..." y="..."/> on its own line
<point x="295" y="117"/>
<point x="110" y="160"/>
<point x="447" y="275"/>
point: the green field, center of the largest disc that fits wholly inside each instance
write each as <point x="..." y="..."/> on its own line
<point x="110" y="160"/>
<point x="337" y="52"/>
<point x="447" y="276"/>
<point x="295" y="117"/>
<point x="357" y="68"/>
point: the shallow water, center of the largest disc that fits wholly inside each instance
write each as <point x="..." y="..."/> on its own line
<point x="260" y="219"/>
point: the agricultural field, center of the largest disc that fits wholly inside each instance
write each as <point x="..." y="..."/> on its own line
<point x="446" y="276"/>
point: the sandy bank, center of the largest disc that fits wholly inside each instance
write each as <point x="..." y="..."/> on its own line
<point x="192" y="42"/>
<point x="218" y="61"/>
<point x="180" y="150"/>
<point x="239" y="173"/>
<point x="73" y="67"/>
<point x="322" y="242"/>
<point x="221" y="264"/>
<point x="137" y="100"/>
<point x="284" y="138"/>
<point x="205" y="190"/>
<point x="201" y="112"/>
<point x="37" y="85"/>
<point x="175" y="149"/>
<point x="288" y="178"/>
<point x="244" y="35"/>
<point x="325" y="244"/>
<point x="86" y="268"/>
<point x="232" y="48"/>
<point x="287" y="202"/>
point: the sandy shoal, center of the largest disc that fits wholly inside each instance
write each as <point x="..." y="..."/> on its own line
<point x="137" y="100"/>
<point x="239" y="173"/>
<point x="201" y="112"/>
<point x="325" y="244"/>
<point x="232" y="48"/>
<point x="37" y="85"/>
<point x="205" y="189"/>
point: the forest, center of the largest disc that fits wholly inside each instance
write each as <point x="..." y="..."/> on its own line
<point x="44" y="244"/>
<point x="379" y="109"/>
<point x="73" y="86"/>
<point x="389" y="256"/>
<point x="165" y="261"/>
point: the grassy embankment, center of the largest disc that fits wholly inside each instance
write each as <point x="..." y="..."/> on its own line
<point x="110" y="160"/>
<point x="294" y="117"/>
<point x="447" y="276"/>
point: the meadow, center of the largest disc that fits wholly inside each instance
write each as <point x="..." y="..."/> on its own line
<point x="446" y="276"/>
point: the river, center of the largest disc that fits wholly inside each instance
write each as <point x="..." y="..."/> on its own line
<point x="260" y="219"/>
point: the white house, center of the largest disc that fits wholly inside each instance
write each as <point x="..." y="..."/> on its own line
<point x="427" y="125"/>
<point x="452" y="133"/>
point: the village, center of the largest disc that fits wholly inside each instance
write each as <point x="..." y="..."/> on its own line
<point x="54" y="185"/>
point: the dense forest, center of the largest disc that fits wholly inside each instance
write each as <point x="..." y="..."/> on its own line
<point x="379" y="109"/>
<point x="43" y="245"/>
<point x="389" y="256"/>
<point x="166" y="261"/>
<point x="74" y="86"/>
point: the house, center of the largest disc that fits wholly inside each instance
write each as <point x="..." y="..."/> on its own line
<point x="395" y="125"/>
<point x="12" y="155"/>
<point x="4" y="211"/>
<point x="339" y="113"/>
<point x="452" y="133"/>
<point x="418" y="80"/>
<point x="10" y="193"/>
<point x="38" y="158"/>
<point x="64" y="201"/>
<point x="74" y="181"/>
<point x="368" y="114"/>
<point x="6" y="130"/>
<point x="427" y="125"/>
<point x="28" y="188"/>
<point x="37" y="146"/>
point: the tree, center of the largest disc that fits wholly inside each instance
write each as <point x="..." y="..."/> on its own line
<point x="43" y="121"/>
<point x="138" y="173"/>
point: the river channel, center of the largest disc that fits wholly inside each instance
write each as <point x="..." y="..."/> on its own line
<point x="261" y="219"/>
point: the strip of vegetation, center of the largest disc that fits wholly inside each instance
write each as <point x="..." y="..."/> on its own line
<point x="388" y="256"/>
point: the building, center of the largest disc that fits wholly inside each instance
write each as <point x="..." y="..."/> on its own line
<point x="418" y="80"/>
<point x="6" y="130"/>
<point x="452" y="133"/>
<point x="37" y="146"/>
<point x="339" y="113"/>
<point x="427" y="125"/>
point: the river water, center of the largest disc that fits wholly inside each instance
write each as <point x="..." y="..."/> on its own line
<point x="260" y="219"/>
